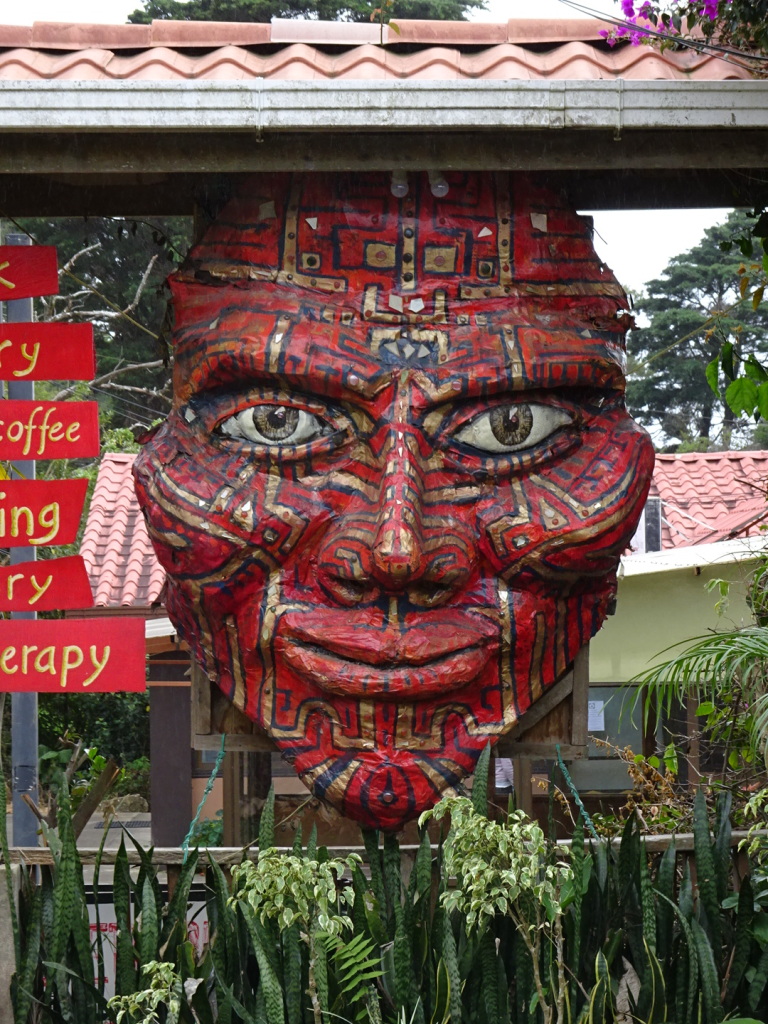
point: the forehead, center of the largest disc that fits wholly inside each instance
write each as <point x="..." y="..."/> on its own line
<point x="227" y="337"/>
<point x="492" y="236"/>
<point x="309" y="275"/>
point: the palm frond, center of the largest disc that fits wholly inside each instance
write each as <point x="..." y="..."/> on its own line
<point x="711" y="667"/>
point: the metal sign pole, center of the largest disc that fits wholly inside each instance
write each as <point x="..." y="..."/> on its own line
<point x="23" y="705"/>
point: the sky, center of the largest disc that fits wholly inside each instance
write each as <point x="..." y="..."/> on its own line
<point x="636" y="244"/>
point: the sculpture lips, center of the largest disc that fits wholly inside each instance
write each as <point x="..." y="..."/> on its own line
<point x="360" y="658"/>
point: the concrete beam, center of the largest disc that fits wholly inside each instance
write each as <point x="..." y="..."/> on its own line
<point x="413" y="105"/>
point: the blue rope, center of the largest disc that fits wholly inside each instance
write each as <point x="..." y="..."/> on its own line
<point x="575" y="794"/>
<point x="206" y="794"/>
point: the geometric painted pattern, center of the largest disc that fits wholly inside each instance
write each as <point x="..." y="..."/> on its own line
<point x="399" y="473"/>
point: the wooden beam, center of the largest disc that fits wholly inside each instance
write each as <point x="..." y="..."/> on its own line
<point x="554" y="696"/>
<point x="139" y="175"/>
<point x="151" y="155"/>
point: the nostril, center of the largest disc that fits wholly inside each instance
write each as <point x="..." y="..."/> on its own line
<point x="347" y="591"/>
<point x="357" y="587"/>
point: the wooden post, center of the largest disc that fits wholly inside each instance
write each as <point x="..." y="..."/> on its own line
<point x="258" y="772"/>
<point x="523" y="793"/>
<point x="171" y="760"/>
<point x="580" y="697"/>
<point x="693" y="728"/>
<point x="233" y="794"/>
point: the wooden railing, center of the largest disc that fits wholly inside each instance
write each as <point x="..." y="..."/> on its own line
<point x="226" y="855"/>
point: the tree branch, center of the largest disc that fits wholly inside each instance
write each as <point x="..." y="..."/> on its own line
<point x="155" y="364"/>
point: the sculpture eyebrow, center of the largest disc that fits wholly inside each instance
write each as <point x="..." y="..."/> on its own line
<point x="329" y="376"/>
<point x="583" y="372"/>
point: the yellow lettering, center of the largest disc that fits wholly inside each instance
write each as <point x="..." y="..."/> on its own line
<point x="56" y="433"/>
<point x="67" y="665"/>
<point x="46" y="660"/>
<point x="4" y="281"/>
<point x="43" y="429"/>
<point x="39" y="591"/>
<point x="71" y="437"/>
<point x="13" y="577"/>
<point x="16" y="513"/>
<point x="15" y="431"/>
<point x="30" y="426"/>
<point x="49" y="518"/>
<point x="99" y="666"/>
<point x="31" y="359"/>
<point x="4" y="345"/>
<point x="5" y="657"/>
<point x="26" y="650"/>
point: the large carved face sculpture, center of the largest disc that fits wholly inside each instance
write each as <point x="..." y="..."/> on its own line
<point x="398" y="476"/>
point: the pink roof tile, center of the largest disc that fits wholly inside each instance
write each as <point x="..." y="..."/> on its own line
<point x="68" y="35"/>
<point x="287" y="49"/>
<point x="710" y="496"/>
<point x="118" y="555"/>
<point x="15" y="35"/>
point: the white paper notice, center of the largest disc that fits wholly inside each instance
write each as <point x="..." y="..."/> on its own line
<point x="596" y="716"/>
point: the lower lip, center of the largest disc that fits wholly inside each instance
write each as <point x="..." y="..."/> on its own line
<point x="346" y="678"/>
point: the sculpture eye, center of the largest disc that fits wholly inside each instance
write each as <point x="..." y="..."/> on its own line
<point x="510" y="428"/>
<point x="275" y="425"/>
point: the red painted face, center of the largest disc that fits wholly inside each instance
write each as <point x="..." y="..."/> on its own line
<point x="398" y="476"/>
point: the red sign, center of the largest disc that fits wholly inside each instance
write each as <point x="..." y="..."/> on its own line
<point x="45" y="586"/>
<point x="40" y="512"/>
<point x="48" y="430"/>
<point x="27" y="271"/>
<point x="47" y="352"/>
<point x="101" y="655"/>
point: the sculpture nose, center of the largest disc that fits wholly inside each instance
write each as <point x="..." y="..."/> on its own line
<point x="397" y="541"/>
<point x="398" y="545"/>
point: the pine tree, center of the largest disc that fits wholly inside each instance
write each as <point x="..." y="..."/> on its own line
<point x="693" y="309"/>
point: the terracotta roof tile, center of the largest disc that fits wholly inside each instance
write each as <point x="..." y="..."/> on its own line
<point x="69" y="35"/>
<point x="189" y="34"/>
<point x="15" y="35"/>
<point x="710" y="496"/>
<point x="118" y="555"/>
<point x="288" y="49"/>
<point x="209" y="33"/>
<point x="299" y="61"/>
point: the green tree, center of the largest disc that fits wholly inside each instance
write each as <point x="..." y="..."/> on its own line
<point x="113" y="275"/>
<point x="742" y="24"/>
<point x="324" y="10"/>
<point x="692" y="310"/>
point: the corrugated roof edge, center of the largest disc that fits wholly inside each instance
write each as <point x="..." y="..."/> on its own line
<point x="51" y="35"/>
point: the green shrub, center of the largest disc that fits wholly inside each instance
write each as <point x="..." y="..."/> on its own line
<point x="134" y="779"/>
<point x="493" y="926"/>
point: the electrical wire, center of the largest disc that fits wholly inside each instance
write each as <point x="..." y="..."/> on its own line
<point x="127" y="403"/>
<point x="725" y="53"/>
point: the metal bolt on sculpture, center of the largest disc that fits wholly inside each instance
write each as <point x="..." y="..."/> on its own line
<point x="399" y="473"/>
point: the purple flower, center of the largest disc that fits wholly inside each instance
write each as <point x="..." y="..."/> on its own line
<point x="628" y="7"/>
